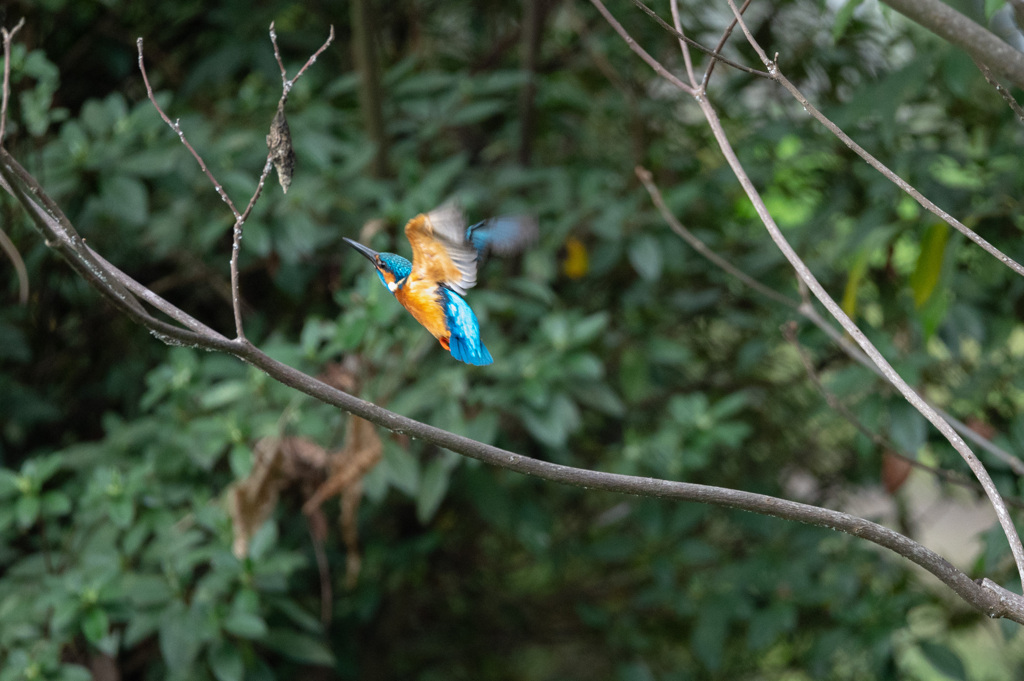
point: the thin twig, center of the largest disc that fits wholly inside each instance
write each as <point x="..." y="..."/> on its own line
<point x="1003" y="92"/>
<point x="8" y="37"/>
<point x="721" y="43"/>
<point x="689" y="237"/>
<point x="714" y="54"/>
<point x="19" y="265"/>
<point x="287" y="84"/>
<point x="176" y="127"/>
<point x="651" y="61"/>
<point x="905" y="186"/>
<point x="808" y="312"/>
<point x="5" y="243"/>
<point x="683" y="47"/>
<point x="844" y="320"/>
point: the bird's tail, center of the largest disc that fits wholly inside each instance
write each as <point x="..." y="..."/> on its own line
<point x="466" y="351"/>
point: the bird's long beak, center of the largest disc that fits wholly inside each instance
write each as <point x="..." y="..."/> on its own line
<point x="370" y="254"/>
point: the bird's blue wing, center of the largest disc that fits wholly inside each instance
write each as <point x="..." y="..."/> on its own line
<point x="505" y="235"/>
<point x="464" y="331"/>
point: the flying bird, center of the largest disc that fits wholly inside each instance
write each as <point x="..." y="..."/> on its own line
<point x="445" y="257"/>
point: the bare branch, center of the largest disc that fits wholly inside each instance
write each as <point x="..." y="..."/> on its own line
<point x="287" y="84"/>
<point x="678" y="25"/>
<point x="651" y="61"/>
<point x="176" y="127"/>
<point x="993" y="602"/>
<point x="272" y="154"/>
<point x="714" y="54"/>
<point x="808" y="278"/>
<point x="116" y="286"/>
<point x="725" y="38"/>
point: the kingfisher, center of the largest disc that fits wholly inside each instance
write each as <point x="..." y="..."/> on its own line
<point x="445" y="257"/>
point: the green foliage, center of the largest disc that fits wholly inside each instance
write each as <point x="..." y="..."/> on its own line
<point x="117" y="452"/>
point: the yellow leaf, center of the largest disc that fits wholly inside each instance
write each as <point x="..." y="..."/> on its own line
<point x="576" y="262"/>
<point x="857" y="270"/>
<point x="929" y="263"/>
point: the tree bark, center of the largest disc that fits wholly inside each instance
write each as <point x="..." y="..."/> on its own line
<point x="364" y="55"/>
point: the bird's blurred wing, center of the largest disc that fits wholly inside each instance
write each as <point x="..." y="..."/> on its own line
<point x="504" y="235"/>
<point x="440" y="251"/>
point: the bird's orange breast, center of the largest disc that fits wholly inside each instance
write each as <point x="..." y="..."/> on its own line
<point x="421" y="299"/>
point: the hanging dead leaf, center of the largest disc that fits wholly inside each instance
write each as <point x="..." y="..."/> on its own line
<point x="343" y="375"/>
<point x="282" y="154"/>
<point x="252" y="500"/>
<point x="348" y="520"/>
<point x="362" y="451"/>
<point x="278" y="463"/>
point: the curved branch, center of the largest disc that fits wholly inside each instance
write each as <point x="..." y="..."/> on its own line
<point x="987" y="597"/>
<point x="122" y="290"/>
<point x="994" y="604"/>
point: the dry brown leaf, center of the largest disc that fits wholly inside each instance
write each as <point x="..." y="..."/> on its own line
<point x="362" y="451"/>
<point x="278" y="463"/>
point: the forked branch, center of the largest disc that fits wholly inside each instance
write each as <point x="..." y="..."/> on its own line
<point x="279" y="153"/>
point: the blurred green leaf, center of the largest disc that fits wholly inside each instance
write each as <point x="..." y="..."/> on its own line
<point x="245" y="625"/>
<point x="907" y="427"/>
<point x="432" y="489"/>
<point x="944" y="660"/>
<point x="843" y="18"/>
<point x="95" y="624"/>
<point x="645" y="256"/>
<point x="179" y="636"/>
<point x="26" y="510"/>
<point x="403" y="470"/>
<point x="708" y="638"/>
<point x="226" y="662"/>
<point x="300" y="647"/>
